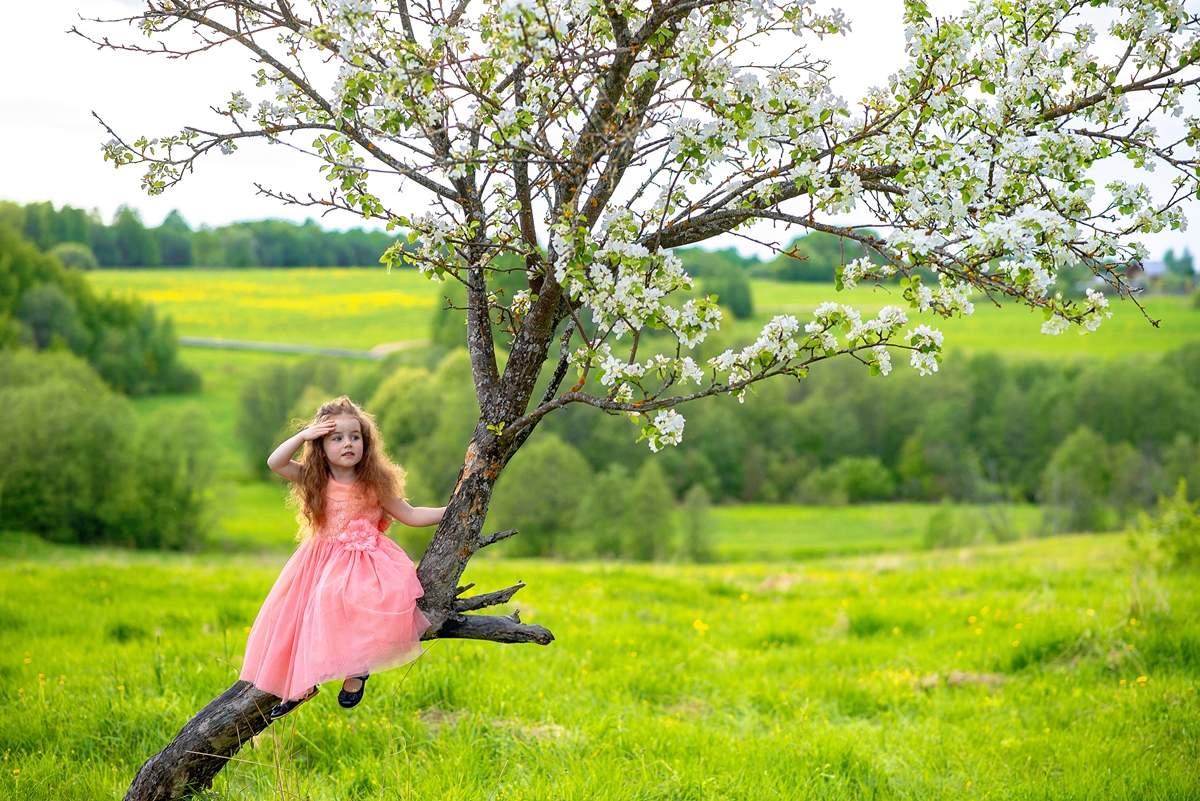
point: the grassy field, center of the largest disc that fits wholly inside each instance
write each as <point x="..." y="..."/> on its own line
<point x="252" y="516"/>
<point x="1028" y="671"/>
<point x="327" y="307"/>
<point x="1010" y="331"/>
<point x="368" y="307"/>
<point x="827" y="657"/>
<point x="748" y="532"/>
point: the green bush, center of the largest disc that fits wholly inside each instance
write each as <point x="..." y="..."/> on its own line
<point x="1175" y="528"/>
<point x="852" y="479"/>
<point x="650" y="515"/>
<point x="50" y="319"/>
<point x="78" y="469"/>
<point x="172" y="465"/>
<point x="75" y="256"/>
<point x="951" y="527"/>
<point x="538" y="493"/>
<point x="1076" y="485"/>
<point x="697" y="525"/>
<point x="603" y="512"/>
<point x="267" y="403"/>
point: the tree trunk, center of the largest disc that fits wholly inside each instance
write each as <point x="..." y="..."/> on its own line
<point x="205" y="744"/>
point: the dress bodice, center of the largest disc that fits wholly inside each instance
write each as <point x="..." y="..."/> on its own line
<point x="351" y="515"/>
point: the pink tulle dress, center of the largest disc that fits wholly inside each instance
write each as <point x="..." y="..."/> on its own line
<point x="345" y="603"/>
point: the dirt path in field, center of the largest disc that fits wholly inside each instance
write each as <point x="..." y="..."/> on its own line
<point x="377" y="352"/>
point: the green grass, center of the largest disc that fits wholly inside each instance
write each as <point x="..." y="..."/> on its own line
<point x="252" y="516"/>
<point x="976" y="674"/>
<point x="1010" y="331"/>
<point x="747" y="532"/>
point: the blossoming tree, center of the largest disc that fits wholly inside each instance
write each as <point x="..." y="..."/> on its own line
<point x="590" y="138"/>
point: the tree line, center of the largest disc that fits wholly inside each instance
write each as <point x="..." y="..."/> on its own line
<point x="87" y="242"/>
<point x="1092" y="443"/>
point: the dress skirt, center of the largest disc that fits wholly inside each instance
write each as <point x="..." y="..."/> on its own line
<point x="343" y="605"/>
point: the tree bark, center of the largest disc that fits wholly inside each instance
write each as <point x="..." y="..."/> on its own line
<point x="207" y="742"/>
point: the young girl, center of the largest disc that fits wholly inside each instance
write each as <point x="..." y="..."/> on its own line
<point x="346" y="601"/>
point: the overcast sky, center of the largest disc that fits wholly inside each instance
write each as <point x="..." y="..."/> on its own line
<point x="54" y="80"/>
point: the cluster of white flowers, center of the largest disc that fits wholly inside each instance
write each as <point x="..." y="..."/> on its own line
<point x="1055" y="325"/>
<point x="826" y="317"/>
<point x="615" y="371"/>
<point x="1095" y="311"/>
<point x="624" y="284"/>
<point x="927" y="347"/>
<point x="855" y="270"/>
<point x="883" y="327"/>
<point x="882" y="359"/>
<point x="949" y="297"/>
<point x="433" y="233"/>
<point x="347" y="21"/>
<point x="691" y="322"/>
<point x="665" y="429"/>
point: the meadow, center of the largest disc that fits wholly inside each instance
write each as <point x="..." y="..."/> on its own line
<point x="1037" y="670"/>
<point x="326" y="307"/>
<point x="826" y="656"/>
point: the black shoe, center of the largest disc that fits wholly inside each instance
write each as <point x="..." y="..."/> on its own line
<point x="347" y="699"/>
<point x="282" y="708"/>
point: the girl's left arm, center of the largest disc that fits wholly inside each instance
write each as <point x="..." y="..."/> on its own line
<point x="409" y="515"/>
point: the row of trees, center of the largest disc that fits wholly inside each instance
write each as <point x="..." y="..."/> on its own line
<point x="128" y="242"/>
<point x="1093" y="443"/>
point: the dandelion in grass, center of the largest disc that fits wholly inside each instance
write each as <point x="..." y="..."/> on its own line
<point x="700" y="626"/>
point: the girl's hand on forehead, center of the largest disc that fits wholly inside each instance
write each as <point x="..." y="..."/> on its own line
<point x="319" y="429"/>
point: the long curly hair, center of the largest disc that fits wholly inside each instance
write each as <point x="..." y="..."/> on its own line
<point x="375" y="475"/>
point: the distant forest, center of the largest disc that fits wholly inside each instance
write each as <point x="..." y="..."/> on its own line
<point x="127" y="242"/>
<point x="82" y="239"/>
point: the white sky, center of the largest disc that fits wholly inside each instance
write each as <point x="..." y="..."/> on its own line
<point x="53" y="80"/>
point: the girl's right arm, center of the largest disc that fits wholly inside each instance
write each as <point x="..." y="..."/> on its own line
<point x="280" y="461"/>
